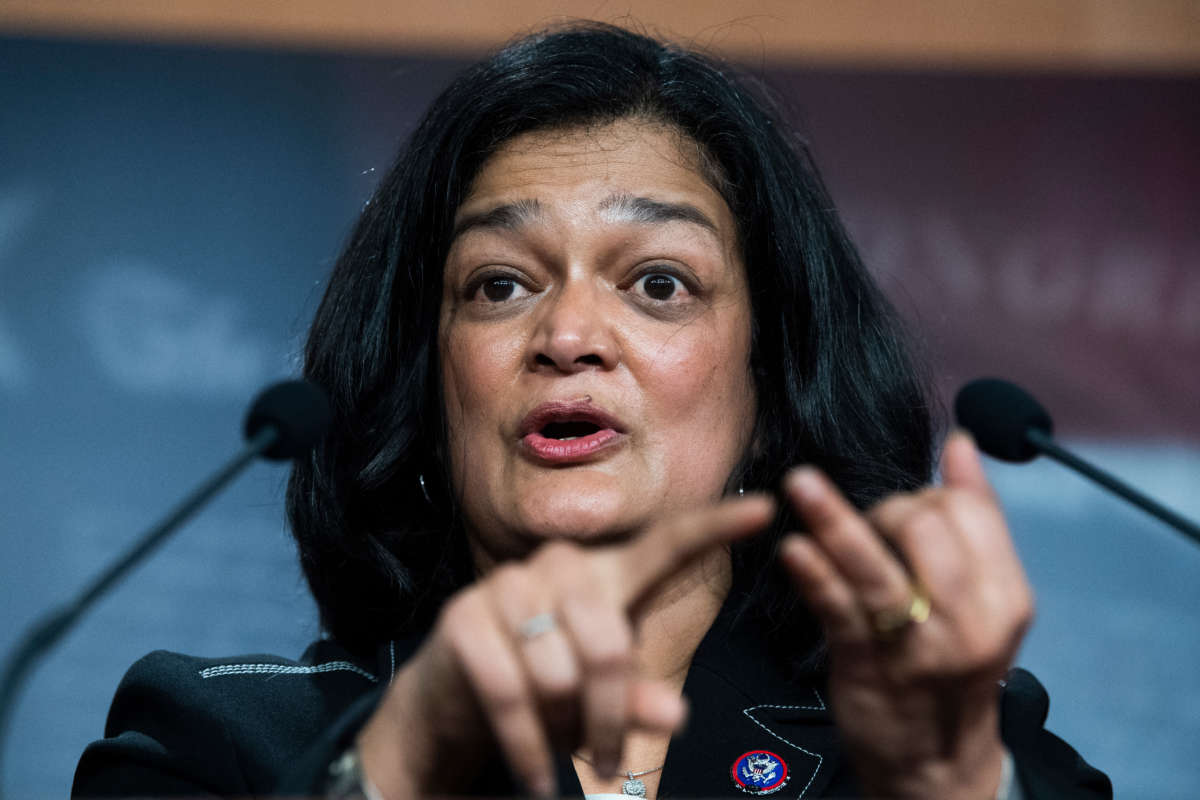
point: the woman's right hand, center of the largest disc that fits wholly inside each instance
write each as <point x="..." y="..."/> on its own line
<point x="539" y="654"/>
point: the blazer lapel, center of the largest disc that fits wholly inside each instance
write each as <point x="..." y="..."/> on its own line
<point x="743" y="704"/>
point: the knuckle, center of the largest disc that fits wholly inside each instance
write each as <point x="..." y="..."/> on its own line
<point x="955" y="579"/>
<point x="921" y="519"/>
<point x="608" y="656"/>
<point x="505" y="698"/>
<point x="508" y="578"/>
<point x="903" y="538"/>
<point x="462" y="612"/>
<point x="841" y="540"/>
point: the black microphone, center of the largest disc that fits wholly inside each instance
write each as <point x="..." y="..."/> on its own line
<point x="285" y="421"/>
<point x="299" y="413"/>
<point x="1009" y="424"/>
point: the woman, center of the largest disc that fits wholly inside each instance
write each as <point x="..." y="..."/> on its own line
<point x="602" y="289"/>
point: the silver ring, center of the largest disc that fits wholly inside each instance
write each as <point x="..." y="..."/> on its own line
<point x="536" y="625"/>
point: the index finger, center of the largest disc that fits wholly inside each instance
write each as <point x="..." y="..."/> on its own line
<point x="666" y="548"/>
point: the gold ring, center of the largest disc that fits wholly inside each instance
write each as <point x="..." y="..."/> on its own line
<point x="888" y="624"/>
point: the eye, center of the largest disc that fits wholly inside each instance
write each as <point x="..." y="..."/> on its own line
<point x="660" y="285"/>
<point x="497" y="289"/>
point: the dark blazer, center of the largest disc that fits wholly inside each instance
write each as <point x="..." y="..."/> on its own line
<point x="260" y="725"/>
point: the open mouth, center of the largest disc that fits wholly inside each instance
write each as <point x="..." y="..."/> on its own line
<point x="572" y="432"/>
<point x="569" y="431"/>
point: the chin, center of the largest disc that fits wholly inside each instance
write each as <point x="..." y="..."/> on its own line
<point x="578" y="517"/>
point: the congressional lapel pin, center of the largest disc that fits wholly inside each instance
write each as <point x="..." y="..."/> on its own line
<point x="759" y="772"/>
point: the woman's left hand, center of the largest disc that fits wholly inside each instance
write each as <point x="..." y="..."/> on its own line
<point x="915" y="697"/>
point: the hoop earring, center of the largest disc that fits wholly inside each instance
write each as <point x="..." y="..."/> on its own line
<point x="424" y="490"/>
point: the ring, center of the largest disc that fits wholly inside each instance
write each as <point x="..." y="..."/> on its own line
<point x="887" y="624"/>
<point x="536" y="625"/>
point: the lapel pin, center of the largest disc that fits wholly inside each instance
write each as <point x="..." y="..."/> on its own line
<point x="759" y="772"/>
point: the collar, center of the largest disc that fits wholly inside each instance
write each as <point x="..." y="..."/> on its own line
<point x="749" y="715"/>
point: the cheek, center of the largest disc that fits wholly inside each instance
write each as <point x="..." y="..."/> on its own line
<point x="474" y="368"/>
<point x="699" y="385"/>
<point x="472" y="375"/>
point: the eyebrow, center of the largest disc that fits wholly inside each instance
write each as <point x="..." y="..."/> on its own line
<point x="632" y="208"/>
<point x="644" y="210"/>
<point x="506" y="217"/>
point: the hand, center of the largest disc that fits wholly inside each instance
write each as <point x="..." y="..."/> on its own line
<point x="479" y="682"/>
<point x="918" y="708"/>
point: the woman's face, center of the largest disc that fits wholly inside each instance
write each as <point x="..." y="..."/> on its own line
<point x="595" y="338"/>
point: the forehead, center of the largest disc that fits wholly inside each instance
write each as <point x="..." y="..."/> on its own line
<point x="590" y="166"/>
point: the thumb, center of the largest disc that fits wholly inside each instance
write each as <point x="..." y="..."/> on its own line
<point x="961" y="466"/>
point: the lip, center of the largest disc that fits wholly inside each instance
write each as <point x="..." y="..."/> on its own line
<point x="541" y="448"/>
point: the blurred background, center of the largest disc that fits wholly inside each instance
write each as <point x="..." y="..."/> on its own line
<point x="176" y="179"/>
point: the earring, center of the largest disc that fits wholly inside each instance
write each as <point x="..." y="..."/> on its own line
<point x="424" y="490"/>
<point x="741" y="491"/>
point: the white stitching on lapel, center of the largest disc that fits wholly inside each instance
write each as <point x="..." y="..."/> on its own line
<point x="284" y="669"/>
<point x="820" y="706"/>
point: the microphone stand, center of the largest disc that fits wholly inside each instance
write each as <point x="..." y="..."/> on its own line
<point x="1046" y="444"/>
<point x="54" y="625"/>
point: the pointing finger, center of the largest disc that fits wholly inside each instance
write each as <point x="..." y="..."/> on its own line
<point x="665" y="549"/>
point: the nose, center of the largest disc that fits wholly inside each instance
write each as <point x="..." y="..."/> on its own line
<point x="573" y="333"/>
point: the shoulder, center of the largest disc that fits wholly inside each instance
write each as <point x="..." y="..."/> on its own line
<point x="1046" y="766"/>
<point x="254" y="679"/>
<point x="186" y="725"/>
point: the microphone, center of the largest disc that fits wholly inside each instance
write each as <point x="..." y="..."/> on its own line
<point x="1009" y="424"/>
<point x="285" y="421"/>
<point x="298" y="411"/>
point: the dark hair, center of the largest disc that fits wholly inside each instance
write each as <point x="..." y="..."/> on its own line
<point x="835" y="385"/>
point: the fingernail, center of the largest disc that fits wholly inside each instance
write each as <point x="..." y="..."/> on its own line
<point x="804" y="483"/>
